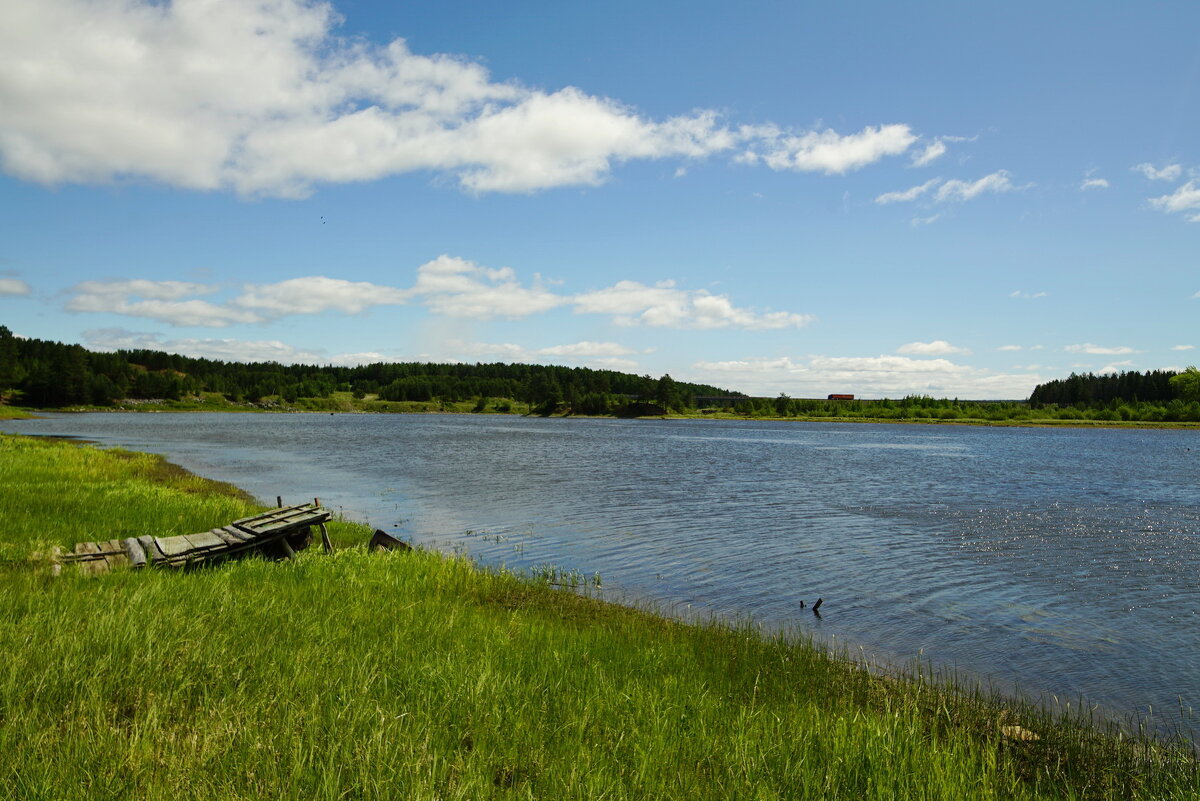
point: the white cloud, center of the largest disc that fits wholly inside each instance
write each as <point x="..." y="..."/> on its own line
<point x="315" y="294"/>
<point x="829" y="152"/>
<point x="1182" y="347"/>
<point x="460" y="288"/>
<point x="1115" y="367"/>
<point x="149" y="290"/>
<point x="585" y="348"/>
<point x="939" y="347"/>
<point x="958" y="191"/>
<point x="908" y="195"/>
<point x="602" y="355"/>
<point x="932" y="152"/>
<point x="446" y="285"/>
<point x="269" y="98"/>
<point x="1008" y="347"/>
<point x="917" y="222"/>
<point x="1168" y="173"/>
<point x="882" y="376"/>
<point x="1184" y="199"/>
<point x="13" y="286"/>
<point x="1023" y="295"/>
<point x="109" y="339"/>
<point x="662" y="305"/>
<point x="783" y="363"/>
<point x="1093" y="183"/>
<point x="1099" y="350"/>
<point x="156" y="300"/>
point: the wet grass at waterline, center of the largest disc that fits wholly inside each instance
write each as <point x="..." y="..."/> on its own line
<point x="414" y="675"/>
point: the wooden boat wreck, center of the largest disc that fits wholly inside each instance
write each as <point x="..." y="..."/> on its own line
<point x="276" y="534"/>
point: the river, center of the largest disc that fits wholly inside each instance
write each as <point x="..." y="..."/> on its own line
<point x="1062" y="563"/>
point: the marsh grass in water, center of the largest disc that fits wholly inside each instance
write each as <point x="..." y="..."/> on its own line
<point x="420" y="676"/>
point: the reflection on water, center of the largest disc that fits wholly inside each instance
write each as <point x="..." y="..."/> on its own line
<point x="1064" y="561"/>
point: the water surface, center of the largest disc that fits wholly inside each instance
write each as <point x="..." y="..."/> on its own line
<point x="1061" y="561"/>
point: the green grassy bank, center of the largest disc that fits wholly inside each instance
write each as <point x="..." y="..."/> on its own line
<point x="419" y="676"/>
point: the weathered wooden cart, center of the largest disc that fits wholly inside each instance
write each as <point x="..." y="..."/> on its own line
<point x="278" y="533"/>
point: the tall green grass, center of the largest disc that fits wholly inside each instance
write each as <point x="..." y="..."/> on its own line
<point x="419" y="676"/>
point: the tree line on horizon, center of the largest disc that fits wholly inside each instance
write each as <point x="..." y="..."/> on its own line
<point x="49" y="374"/>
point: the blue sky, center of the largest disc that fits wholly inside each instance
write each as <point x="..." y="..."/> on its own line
<point x="955" y="199"/>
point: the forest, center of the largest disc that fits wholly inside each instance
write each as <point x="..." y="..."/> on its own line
<point x="44" y="374"/>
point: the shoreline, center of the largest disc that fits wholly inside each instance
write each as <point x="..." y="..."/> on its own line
<point x="567" y="630"/>
<point x="29" y="413"/>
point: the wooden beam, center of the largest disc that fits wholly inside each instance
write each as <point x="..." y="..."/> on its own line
<point x="137" y="554"/>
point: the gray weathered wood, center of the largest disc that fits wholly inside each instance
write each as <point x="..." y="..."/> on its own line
<point x="91" y="567"/>
<point x="137" y="554"/>
<point x="205" y="540"/>
<point x="153" y="552"/>
<point x="287" y="549"/>
<point x="173" y="546"/>
<point x="257" y="531"/>
<point x="114" y="553"/>
<point x="233" y="542"/>
<point x="242" y="536"/>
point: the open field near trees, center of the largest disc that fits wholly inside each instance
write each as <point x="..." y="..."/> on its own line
<point x="416" y="675"/>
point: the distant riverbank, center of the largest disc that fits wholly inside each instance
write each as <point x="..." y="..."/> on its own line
<point x="419" y="675"/>
<point x="348" y="405"/>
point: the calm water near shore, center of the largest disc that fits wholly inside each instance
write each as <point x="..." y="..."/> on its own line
<point x="1063" y="561"/>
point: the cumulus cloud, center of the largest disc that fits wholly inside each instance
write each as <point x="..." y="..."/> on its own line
<point x="1023" y="295"/>
<point x="109" y="339"/>
<point x="932" y="152"/>
<point x="156" y="300"/>
<point x="268" y="98"/>
<point x="586" y="348"/>
<point x="952" y="191"/>
<point x="828" y="151"/>
<point x="663" y="305"/>
<point x="1115" y="367"/>
<point x="447" y="285"/>
<point x="959" y="191"/>
<point x="460" y="288"/>
<point x="939" y="347"/>
<point x="1168" y="173"/>
<point x="1099" y="350"/>
<point x="880" y="376"/>
<point x="908" y="195"/>
<point x="13" y="286"/>
<point x="315" y="294"/>
<point x="1093" y="183"/>
<point x="1182" y="347"/>
<point x="1008" y="347"/>
<point x="604" y="355"/>
<point x="1184" y="199"/>
<point x="917" y="222"/>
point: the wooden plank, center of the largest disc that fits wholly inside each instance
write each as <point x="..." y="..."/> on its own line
<point x="205" y="540"/>
<point x="137" y="554"/>
<point x="234" y="542"/>
<point x="153" y="552"/>
<point x="284" y="526"/>
<point x="292" y="514"/>
<point x="234" y="531"/>
<point x="114" y="554"/>
<point x="91" y="567"/>
<point x="173" y="547"/>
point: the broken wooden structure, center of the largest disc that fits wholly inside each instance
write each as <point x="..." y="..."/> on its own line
<point x="278" y="533"/>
